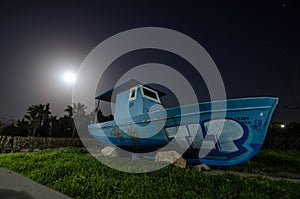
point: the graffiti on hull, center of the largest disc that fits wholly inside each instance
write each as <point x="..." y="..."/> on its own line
<point x="223" y="137"/>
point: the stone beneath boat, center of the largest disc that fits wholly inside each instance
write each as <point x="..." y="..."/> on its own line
<point x="25" y="150"/>
<point x="36" y="150"/>
<point x="202" y="167"/>
<point x="135" y="158"/>
<point x="109" y="151"/>
<point x="171" y="157"/>
<point x="180" y="162"/>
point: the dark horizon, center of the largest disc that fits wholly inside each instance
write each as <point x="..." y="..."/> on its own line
<point x="253" y="43"/>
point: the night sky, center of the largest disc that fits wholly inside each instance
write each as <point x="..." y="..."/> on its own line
<point x="255" y="45"/>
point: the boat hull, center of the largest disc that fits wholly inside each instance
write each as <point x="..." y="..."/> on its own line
<point x="245" y="122"/>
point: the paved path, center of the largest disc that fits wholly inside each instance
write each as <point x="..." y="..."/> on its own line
<point x="293" y="178"/>
<point x="13" y="185"/>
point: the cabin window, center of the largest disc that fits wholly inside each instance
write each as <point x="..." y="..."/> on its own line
<point x="150" y="94"/>
<point x="132" y="94"/>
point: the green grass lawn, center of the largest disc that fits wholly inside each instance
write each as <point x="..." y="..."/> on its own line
<point x="273" y="162"/>
<point x="79" y="175"/>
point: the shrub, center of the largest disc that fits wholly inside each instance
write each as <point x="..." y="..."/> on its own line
<point x="287" y="138"/>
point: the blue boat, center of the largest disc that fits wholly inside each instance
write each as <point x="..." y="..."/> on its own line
<point x="141" y="124"/>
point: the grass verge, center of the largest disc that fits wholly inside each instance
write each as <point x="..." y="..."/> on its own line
<point x="284" y="163"/>
<point x="74" y="173"/>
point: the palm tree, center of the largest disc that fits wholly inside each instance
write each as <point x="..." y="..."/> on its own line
<point x="76" y="112"/>
<point x="24" y="126"/>
<point x="69" y="119"/>
<point x="1" y="127"/>
<point x="38" y="116"/>
<point x="69" y="111"/>
<point x="52" y="124"/>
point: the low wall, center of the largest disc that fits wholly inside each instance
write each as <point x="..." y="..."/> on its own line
<point x="16" y="144"/>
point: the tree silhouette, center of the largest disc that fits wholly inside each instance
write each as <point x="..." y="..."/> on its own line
<point x="23" y="125"/>
<point x="1" y="128"/>
<point x="38" y="116"/>
<point x="77" y="113"/>
<point x="39" y="121"/>
<point x="69" y="111"/>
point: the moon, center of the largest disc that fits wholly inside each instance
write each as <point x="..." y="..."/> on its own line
<point x="69" y="77"/>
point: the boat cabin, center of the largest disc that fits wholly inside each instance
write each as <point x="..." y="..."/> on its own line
<point x="131" y="95"/>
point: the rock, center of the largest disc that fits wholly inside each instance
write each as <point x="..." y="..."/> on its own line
<point x="135" y="158"/>
<point x="24" y="150"/>
<point x="171" y="157"/>
<point x="180" y="162"/>
<point x="202" y="167"/>
<point x="167" y="156"/>
<point x="96" y="155"/>
<point x="36" y="150"/>
<point x="109" y="151"/>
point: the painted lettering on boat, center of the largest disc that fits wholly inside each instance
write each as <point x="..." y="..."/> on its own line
<point x="209" y="135"/>
<point x="257" y="125"/>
